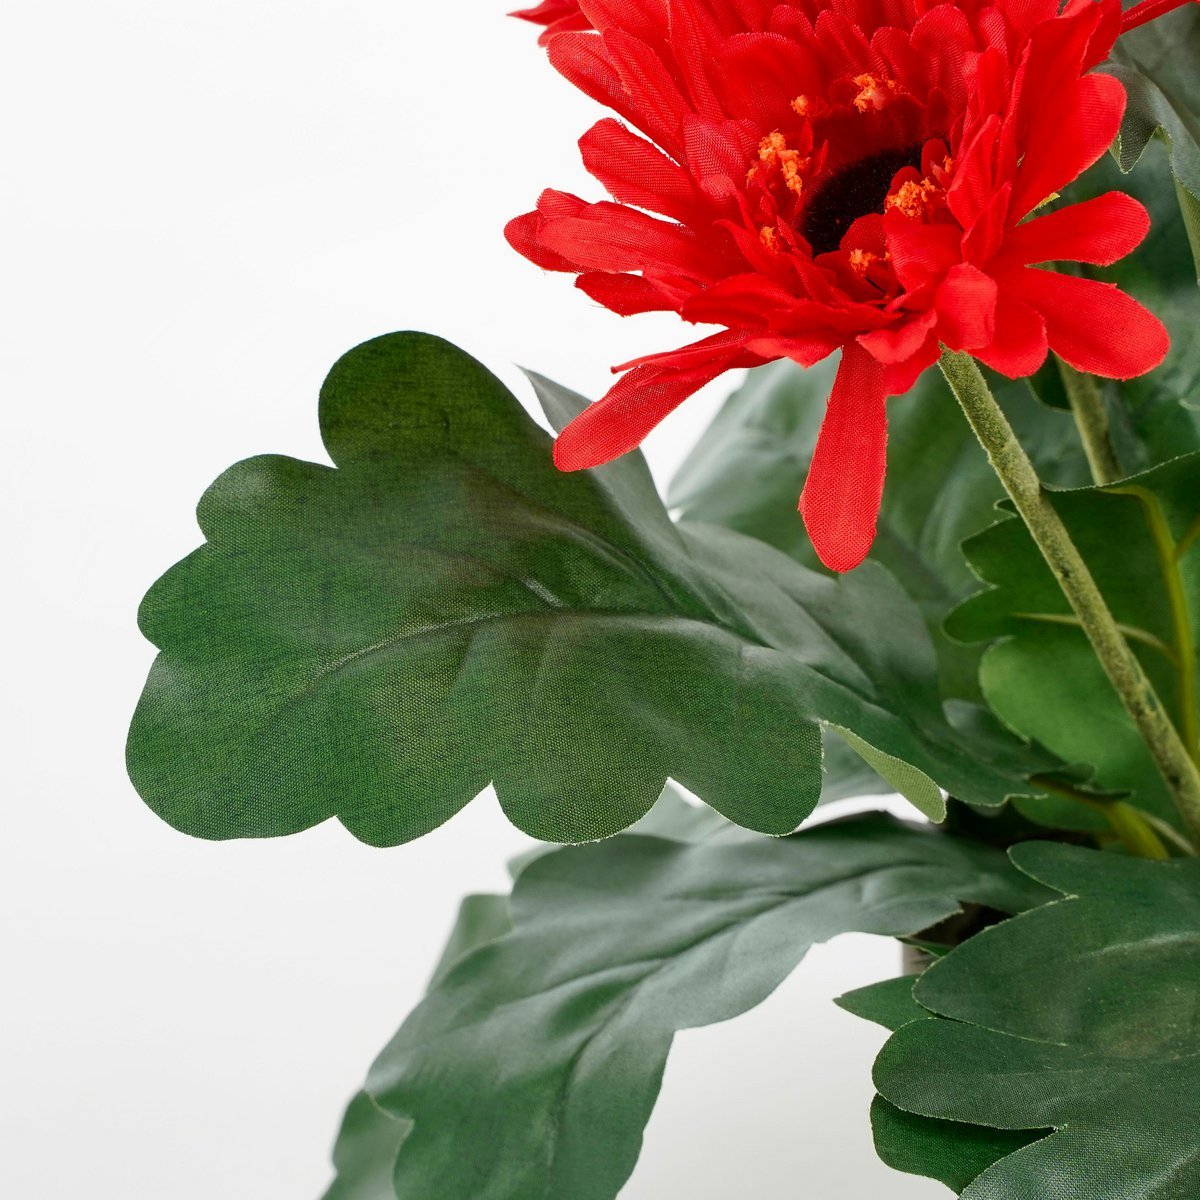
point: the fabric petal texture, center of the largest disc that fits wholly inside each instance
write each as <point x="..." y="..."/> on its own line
<point x="841" y="498"/>
<point x="830" y="174"/>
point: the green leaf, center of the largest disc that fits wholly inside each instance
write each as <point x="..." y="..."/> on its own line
<point x="1162" y="79"/>
<point x="750" y="466"/>
<point x="679" y="820"/>
<point x="532" y="1068"/>
<point x="364" y="1155"/>
<point x="481" y="919"/>
<point x="1042" y="678"/>
<point x="672" y="817"/>
<point x="444" y="610"/>
<point x="951" y="1152"/>
<point x="1079" y="1017"/>
<point x="889" y="1003"/>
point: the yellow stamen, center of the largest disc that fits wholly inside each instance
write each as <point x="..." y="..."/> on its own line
<point x="769" y="238"/>
<point x="801" y="106"/>
<point x="874" y="93"/>
<point x="773" y="152"/>
<point x="911" y="198"/>
<point x="863" y="260"/>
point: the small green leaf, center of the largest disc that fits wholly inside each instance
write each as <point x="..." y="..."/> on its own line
<point x="443" y="610"/>
<point x="532" y="1067"/>
<point x="1042" y="678"/>
<point x="1078" y="1017"/>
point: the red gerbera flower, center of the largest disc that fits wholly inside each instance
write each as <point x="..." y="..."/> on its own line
<point x="850" y="175"/>
<point x="559" y="16"/>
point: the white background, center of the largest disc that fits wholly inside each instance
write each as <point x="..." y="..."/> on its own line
<point x="203" y="205"/>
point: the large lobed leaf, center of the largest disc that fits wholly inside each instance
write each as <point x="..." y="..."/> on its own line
<point x="532" y="1067"/>
<point x="380" y="640"/>
<point x="1080" y="1017"/>
<point x="1141" y="540"/>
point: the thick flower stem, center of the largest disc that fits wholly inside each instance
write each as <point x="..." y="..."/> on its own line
<point x="1087" y="406"/>
<point x="1138" y="831"/>
<point x="1135" y="834"/>
<point x="1121" y="665"/>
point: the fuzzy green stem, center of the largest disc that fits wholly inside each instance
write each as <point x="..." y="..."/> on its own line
<point x="1120" y="664"/>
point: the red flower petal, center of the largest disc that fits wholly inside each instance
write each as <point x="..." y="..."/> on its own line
<point x="580" y="58"/>
<point x="660" y="104"/>
<point x="557" y="15"/>
<point x="919" y="252"/>
<point x="899" y="377"/>
<point x="762" y="73"/>
<point x="521" y="233"/>
<point x="717" y="153"/>
<point x="524" y="232"/>
<point x="1019" y="345"/>
<point x="626" y="295"/>
<point x="1066" y="140"/>
<point x="966" y="308"/>
<point x="1099" y="231"/>
<point x="638" y="401"/>
<point x="639" y="17"/>
<point x="1095" y="326"/>
<point x="693" y="37"/>
<point x="841" y="498"/>
<point x="896" y="343"/>
<point x="635" y="172"/>
<point x="611" y="237"/>
<point x="972" y="188"/>
<point x="740" y="299"/>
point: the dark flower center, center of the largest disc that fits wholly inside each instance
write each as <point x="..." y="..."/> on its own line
<point x="851" y="192"/>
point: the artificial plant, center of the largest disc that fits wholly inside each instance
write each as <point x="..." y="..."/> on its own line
<point x="868" y="200"/>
